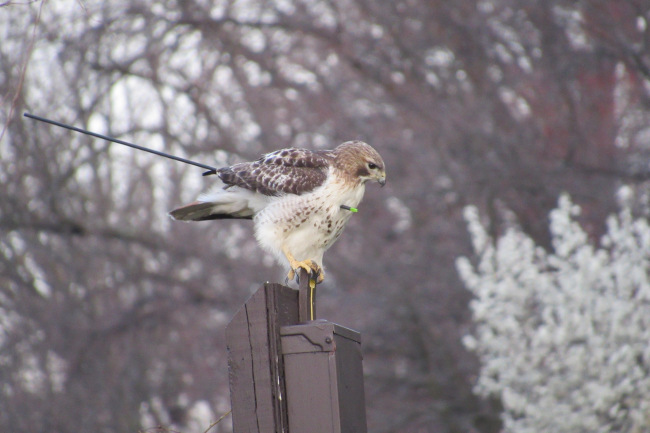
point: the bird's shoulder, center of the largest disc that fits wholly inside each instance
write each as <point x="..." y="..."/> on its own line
<point x="285" y="171"/>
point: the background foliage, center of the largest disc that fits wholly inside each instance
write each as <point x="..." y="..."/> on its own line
<point x="563" y="336"/>
<point x="108" y="306"/>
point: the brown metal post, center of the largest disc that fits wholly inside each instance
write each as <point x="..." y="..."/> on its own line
<point x="290" y="377"/>
<point x="255" y="361"/>
<point x="306" y="298"/>
<point x="324" y="378"/>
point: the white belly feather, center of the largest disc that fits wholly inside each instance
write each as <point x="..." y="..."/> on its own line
<point x="306" y="225"/>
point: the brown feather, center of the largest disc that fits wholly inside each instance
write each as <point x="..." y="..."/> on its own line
<point x="286" y="171"/>
<point x="201" y="211"/>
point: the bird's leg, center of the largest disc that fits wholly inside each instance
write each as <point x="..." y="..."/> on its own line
<point x="306" y="289"/>
<point x="309" y="265"/>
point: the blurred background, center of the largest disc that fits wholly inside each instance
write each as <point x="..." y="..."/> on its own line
<point x="112" y="316"/>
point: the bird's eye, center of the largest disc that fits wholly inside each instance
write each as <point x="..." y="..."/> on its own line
<point x="372" y="166"/>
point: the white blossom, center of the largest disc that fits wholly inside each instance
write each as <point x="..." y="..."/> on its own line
<point x="564" y="337"/>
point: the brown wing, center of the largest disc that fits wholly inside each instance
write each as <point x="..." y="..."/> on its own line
<point x="286" y="171"/>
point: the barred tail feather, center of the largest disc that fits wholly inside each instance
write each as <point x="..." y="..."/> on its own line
<point x="222" y="203"/>
<point x="203" y="211"/>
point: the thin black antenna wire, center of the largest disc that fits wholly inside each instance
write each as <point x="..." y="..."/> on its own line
<point x="211" y="170"/>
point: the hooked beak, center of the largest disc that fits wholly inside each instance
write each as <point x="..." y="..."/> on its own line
<point x="382" y="181"/>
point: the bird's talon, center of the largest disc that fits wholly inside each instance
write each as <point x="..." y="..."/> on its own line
<point x="314" y="271"/>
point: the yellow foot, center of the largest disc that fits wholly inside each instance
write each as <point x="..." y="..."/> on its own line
<point x="310" y="266"/>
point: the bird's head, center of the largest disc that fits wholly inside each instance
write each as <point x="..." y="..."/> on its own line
<point x="362" y="161"/>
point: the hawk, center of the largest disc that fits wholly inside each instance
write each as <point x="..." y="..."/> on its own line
<point x="298" y="199"/>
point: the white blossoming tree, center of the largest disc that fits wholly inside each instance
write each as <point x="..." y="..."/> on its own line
<point x="564" y="337"/>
